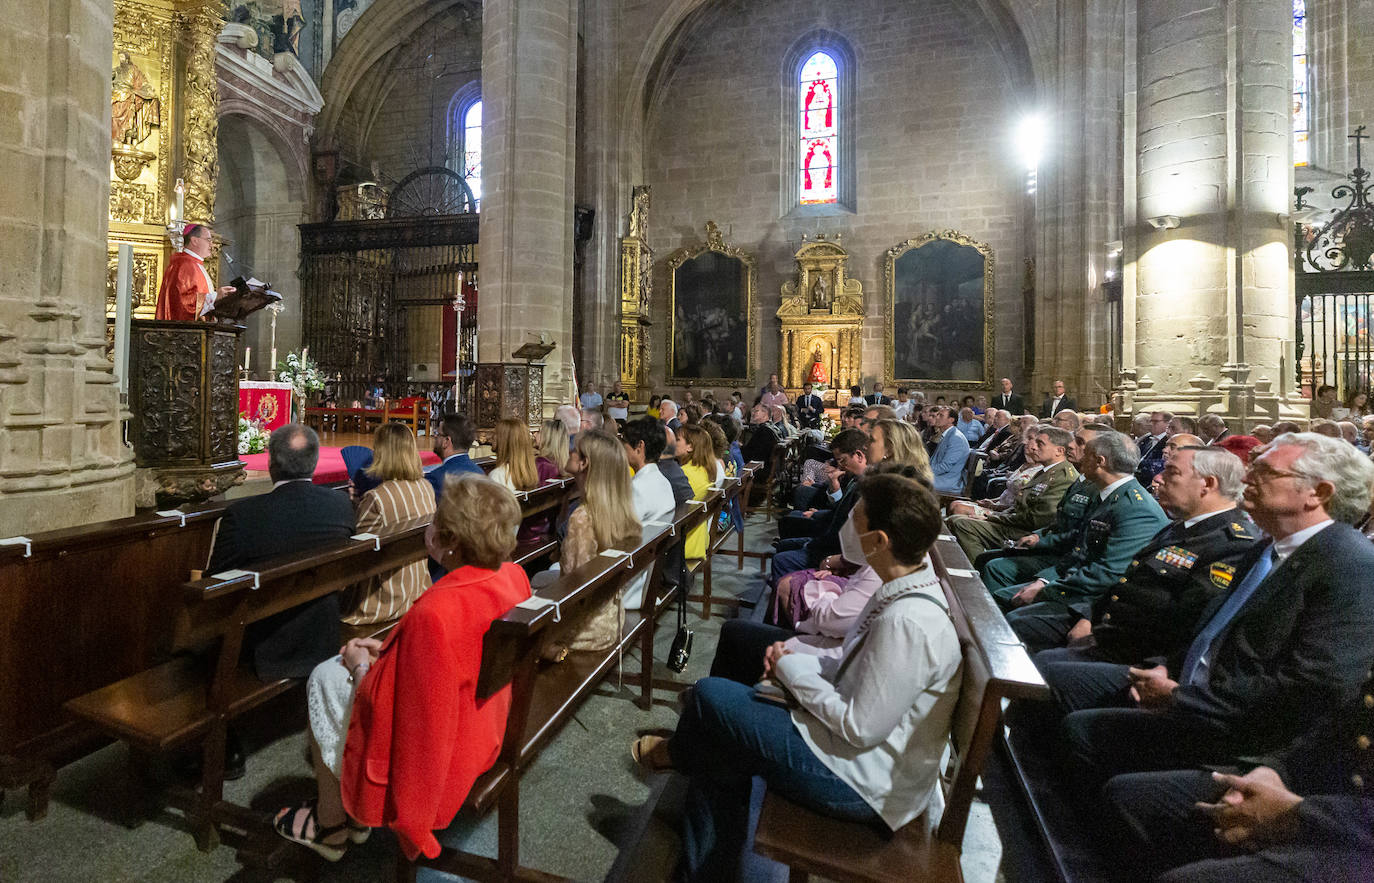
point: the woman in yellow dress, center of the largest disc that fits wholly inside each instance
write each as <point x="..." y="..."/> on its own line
<point x="698" y="461"/>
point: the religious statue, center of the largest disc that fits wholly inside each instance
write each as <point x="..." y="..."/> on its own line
<point x="639" y="212"/>
<point x="287" y="27"/>
<point x="134" y="105"/>
<point x="820" y="293"/>
<point x="817" y="376"/>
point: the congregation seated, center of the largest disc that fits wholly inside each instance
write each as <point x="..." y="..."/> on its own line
<point x="453" y="439"/>
<point x="979" y="528"/>
<point x="1270" y="662"/>
<point x="696" y="456"/>
<point x="759" y="438"/>
<point x="772" y="394"/>
<point x="605" y="519"/>
<point x="296" y="515"/>
<point x="861" y="734"/>
<point x="401" y="493"/>
<point x="552" y="449"/>
<point x="850" y="450"/>
<point x="950" y="454"/>
<point x="1003" y="459"/>
<point x="396" y="733"/>
<point x="968" y="424"/>
<point x="1049" y="590"/>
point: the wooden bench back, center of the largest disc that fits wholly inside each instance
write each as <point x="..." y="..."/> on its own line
<point x="996" y="667"/>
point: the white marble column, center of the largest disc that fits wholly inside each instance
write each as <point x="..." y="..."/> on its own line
<point x="1213" y="301"/>
<point x="529" y="88"/>
<point x="62" y="461"/>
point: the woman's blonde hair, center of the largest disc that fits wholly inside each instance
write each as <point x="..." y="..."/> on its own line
<point x="478" y="519"/>
<point x="394" y="456"/>
<point x="703" y="452"/>
<point x="606" y="491"/>
<point x="514" y="450"/>
<point x="553" y="443"/>
<point x="902" y="444"/>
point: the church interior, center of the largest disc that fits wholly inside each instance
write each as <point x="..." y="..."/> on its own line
<point x="317" y="313"/>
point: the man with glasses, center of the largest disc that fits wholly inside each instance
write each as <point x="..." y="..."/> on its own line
<point x="187" y="292"/>
<point x="1286" y="647"/>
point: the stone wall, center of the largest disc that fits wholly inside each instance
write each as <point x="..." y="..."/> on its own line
<point x="934" y="117"/>
<point x="62" y="461"/>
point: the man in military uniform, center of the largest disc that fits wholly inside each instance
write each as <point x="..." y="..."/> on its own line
<point x="1123" y="520"/>
<point x="1151" y="613"/>
<point x="1307" y="815"/>
<point x="1006" y="567"/>
<point x="1035" y="504"/>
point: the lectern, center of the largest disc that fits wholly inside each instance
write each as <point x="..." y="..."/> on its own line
<point x="512" y="389"/>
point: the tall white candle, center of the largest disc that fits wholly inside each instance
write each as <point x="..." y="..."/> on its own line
<point x="124" y="279"/>
<point x="274" y="358"/>
<point x="246" y="352"/>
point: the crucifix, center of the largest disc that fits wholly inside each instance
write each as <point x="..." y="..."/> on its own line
<point x="1359" y="136"/>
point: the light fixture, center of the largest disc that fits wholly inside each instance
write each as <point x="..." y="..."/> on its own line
<point x="1030" y="147"/>
<point x="1164" y="222"/>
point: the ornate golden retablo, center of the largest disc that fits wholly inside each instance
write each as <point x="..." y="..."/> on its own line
<point x="822" y="317"/>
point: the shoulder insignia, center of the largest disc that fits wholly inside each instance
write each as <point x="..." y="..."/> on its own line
<point x="1136" y="494"/>
<point x="1241" y="532"/>
<point x="1222" y="574"/>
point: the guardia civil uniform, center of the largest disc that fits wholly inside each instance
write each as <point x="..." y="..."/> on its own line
<point x="1001" y="569"/>
<point x="1093" y="560"/>
<point x="1034" y="507"/>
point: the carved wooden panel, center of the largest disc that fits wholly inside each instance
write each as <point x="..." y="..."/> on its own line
<point x="224" y="397"/>
<point x="166" y="398"/>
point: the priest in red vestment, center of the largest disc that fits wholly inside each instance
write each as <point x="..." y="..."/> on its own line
<point x="186" y="287"/>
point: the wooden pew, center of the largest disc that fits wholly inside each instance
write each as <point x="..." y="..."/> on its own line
<point x="188" y="700"/>
<point x="83" y="606"/>
<point x="996" y="667"/>
<point x="543" y="699"/>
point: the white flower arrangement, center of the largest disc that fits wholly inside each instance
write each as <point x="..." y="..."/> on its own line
<point x="302" y="373"/>
<point x="252" y="437"/>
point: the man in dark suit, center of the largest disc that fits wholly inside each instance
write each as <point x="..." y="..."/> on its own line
<point x="296" y="516"/>
<point x="451" y="442"/>
<point x="1213" y="429"/>
<point x="877" y="397"/>
<point x="810" y="407"/>
<point x="1057" y="402"/>
<point x="1287" y="646"/>
<point x="1308" y="814"/>
<point x="850" y="449"/>
<point x="1152" y="447"/>
<point x="1008" y="400"/>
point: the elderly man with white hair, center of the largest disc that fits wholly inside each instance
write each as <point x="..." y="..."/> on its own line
<point x="1285" y="646"/>
<point x="667" y="412"/>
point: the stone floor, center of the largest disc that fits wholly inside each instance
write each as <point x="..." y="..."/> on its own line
<point x="581" y="800"/>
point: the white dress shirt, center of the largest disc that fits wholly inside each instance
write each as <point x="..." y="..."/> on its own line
<point x="882" y="729"/>
<point x="653" y="501"/>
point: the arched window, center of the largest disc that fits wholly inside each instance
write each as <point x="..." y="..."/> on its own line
<point x="817" y="97"/>
<point x="1302" y="111"/>
<point x="819" y="78"/>
<point x="465" y="137"/>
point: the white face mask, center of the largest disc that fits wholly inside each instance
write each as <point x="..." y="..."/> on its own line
<point x="851" y="549"/>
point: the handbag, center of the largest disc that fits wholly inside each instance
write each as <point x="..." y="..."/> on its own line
<point x="681" y="650"/>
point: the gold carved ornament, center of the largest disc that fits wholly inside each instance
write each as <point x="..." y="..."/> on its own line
<point x="890" y="290"/>
<point x="200" y="154"/>
<point x="715" y="242"/>
<point x="141" y="111"/>
<point x="821" y="319"/>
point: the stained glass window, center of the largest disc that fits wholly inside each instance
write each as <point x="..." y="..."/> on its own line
<point x="1301" y="96"/>
<point x="472" y="149"/>
<point x="818" y="158"/>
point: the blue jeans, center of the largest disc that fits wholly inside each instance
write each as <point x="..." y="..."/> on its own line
<point x="726" y="737"/>
<point x="787" y="561"/>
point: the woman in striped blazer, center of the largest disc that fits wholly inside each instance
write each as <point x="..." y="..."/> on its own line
<point x="403" y="494"/>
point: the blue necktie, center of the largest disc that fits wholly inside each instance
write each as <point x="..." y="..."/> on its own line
<point x="1203" y="649"/>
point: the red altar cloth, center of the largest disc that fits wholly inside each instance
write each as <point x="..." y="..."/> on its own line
<point x="330" y="469"/>
<point x="268" y="403"/>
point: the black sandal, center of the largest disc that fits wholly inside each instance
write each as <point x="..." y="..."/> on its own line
<point x="285" y="819"/>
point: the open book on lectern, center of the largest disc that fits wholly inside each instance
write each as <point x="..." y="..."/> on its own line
<point x="248" y="296"/>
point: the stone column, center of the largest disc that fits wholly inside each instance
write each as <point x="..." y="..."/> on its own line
<point x="1213" y="301"/>
<point x="62" y="461"/>
<point x="529" y="83"/>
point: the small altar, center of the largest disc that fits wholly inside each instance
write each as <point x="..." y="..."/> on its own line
<point x="266" y="402"/>
<point x="822" y="317"/>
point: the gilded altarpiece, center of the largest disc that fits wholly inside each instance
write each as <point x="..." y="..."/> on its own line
<point x="822" y="317"/>
<point x="636" y="291"/>
<point x="163" y="110"/>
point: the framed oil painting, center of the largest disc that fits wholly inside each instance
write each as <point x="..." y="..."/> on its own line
<point x="939" y="290"/>
<point x="711" y="297"/>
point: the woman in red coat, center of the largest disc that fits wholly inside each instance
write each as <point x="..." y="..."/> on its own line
<point x="397" y="734"/>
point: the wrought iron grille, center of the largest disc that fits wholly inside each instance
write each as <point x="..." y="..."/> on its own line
<point x="368" y="286"/>
<point x="1334" y="283"/>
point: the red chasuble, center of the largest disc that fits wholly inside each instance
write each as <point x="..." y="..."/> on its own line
<point x="184" y="287"/>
